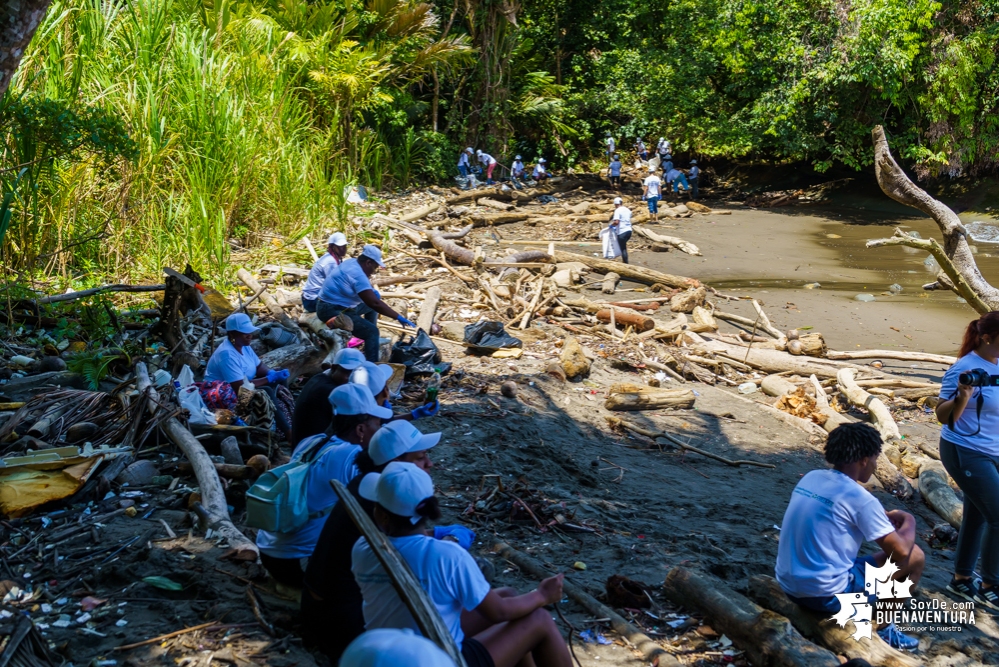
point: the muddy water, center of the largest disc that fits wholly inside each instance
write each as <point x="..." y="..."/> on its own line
<point x="771" y="255"/>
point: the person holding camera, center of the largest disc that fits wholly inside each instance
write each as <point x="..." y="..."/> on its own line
<point x="969" y="450"/>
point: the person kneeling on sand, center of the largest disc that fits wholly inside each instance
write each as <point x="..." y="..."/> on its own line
<point x="829" y="517"/>
<point x="494" y="628"/>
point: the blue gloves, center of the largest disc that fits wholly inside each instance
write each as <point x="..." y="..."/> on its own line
<point x="464" y="536"/>
<point x="277" y="376"/>
<point x="428" y="410"/>
<point x="406" y="323"/>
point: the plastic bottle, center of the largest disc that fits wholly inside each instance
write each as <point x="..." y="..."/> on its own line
<point x="433" y="386"/>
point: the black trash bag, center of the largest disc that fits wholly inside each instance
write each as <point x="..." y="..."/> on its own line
<point x="419" y="354"/>
<point x="489" y="337"/>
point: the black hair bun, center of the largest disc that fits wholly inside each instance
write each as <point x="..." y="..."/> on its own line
<point x="429" y="508"/>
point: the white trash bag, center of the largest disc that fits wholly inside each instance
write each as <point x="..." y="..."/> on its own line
<point x="190" y="399"/>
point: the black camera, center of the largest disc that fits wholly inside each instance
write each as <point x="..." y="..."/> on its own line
<point x="977" y="377"/>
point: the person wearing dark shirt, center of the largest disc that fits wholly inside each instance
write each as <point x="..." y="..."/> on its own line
<point x="313" y="412"/>
<point x="331" y="599"/>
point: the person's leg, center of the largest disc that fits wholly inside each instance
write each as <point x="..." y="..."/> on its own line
<point x="287" y="571"/>
<point x="463" y="170"/>
<point x="489" y="172"/>
<point x="535" y="634"/>
<point x="309" y="305"/>
<point x="969" y="540"/>
<point x="622" y="241"/>
<point x="472" y="622"/>
<point x="326" y="311"/>
<point x="693" y="188"/>
<point x="365" y="330"/>
<point x="982" y="488"/>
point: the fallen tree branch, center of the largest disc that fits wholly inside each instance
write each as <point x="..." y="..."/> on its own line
<point x="649" y="433"/>
<point x="674" y="241"/>
<point x="82" y="294"/>
<point x="273" y="306"/>
<point x="631" y="272"/>
<point x="944" y="359"/>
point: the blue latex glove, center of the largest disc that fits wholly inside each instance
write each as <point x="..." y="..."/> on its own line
<point x="277" y="376"/>
<point x="239" y="422"/>
<point x="465" y="536"/>
<point x="428" y="410"/>
<point x="406" y="323"/>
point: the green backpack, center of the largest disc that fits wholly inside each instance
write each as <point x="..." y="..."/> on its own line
<point x="278" y="501"/>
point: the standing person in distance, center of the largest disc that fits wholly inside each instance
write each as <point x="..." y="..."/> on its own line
<point x="489" y="162"/>
<point x="651" y="191"/>
<point x="517" y="172"/>
<point x="695" y="173"/>
<point x="615" y="172"/>
<point x="611" y="146"/>
<point x="640" y="150"/>
<point x="540" y="174"/>
<point x="969" y="450"/>
<point x="348" y="290"/>
<point x="464" y="168"/>
<point x="662" y="149"/>
<point x="621" y="225"/>
<point x="336" y="250"/>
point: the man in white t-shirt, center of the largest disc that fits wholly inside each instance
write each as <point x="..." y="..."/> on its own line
<point x="651" y="191"/>
<point x="621" y="226"/>
<point x="336" y="250"/>
<point x="830" y="516"/>
<point x="347" y="290"/>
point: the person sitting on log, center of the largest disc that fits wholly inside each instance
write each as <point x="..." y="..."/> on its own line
<point x="969" y="447"/>
<point x="332" y="455"/>
<point x="494" y="628"/>
<point x="829" y="517"/>
<point x="393" y="648"/>
<point x="540" y="174"/>
<point x="376" y="377"/>
<point x="313" y="411"/>
<point x="348" y="291"/>
<point x="331" y="600"/>
<point x="651" y="191"/>
<point x="336" y="250"/>
<point x="233" y="363"/>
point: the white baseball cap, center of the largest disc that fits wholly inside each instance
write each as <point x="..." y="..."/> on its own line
<point x="240" y="322"/>
<point x="397" y="438"/>
<point x="652" y="170"/>
<point x="373" y="376"/>
<point x="478" y="151"/>
<point x="541" y="159"/>
<point x="390" y="647"/>
<point x="517" y="158"/>
<point x="468" y="150"/>
<point x="349" y="358"/>
<point x="337" y="238"/>
<point x="356" y="399"/>
<point x="373" y="252"/>
<point x="618" y="201"/>
<point x="400" y="489"/>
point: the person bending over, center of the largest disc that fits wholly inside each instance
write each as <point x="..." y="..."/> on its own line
<point x="348" y="290"/>
<point x="356" y="418"/>
<point x="969" y="450"/>
<point x="492" y="628"/>
<point x="829" y="517"/>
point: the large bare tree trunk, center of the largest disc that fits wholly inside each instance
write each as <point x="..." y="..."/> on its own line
<point x="18" y="22"/>
<point x="899" y="187"/>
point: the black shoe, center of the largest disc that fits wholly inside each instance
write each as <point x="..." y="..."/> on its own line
<point x="988" y="597"/>
<point x="965" y="588"/>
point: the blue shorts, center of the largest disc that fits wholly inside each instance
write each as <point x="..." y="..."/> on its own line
<point x="828" y="603"/>
<point x="653" y="204"/>
<point x="309" y="305"/>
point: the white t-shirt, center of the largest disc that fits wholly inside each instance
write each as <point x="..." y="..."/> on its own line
<point x="622" y="214"/>
<point x="652" y="183"/>
<point x="344" y="283"/>
<point x="539" y="169"/>
<point x="335" y="461"/>
<point x="829" y="517"/>
<point x="487" y="159"/>
<point x="463" y="159"/>
<point x="987" y="439"/>
<point x="518" y="168"/>
<point x="317" y="275"/>
<point x="610" y="145"/>
<point x="446" y="572"/>
<point x="228" y="365"/>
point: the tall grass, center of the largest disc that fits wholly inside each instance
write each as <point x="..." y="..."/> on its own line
<point x="248" y="118"/>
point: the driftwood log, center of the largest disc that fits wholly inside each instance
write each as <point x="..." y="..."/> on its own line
<point x="212" y="495"/>
<point x="766" y="591"/>
<point x="959" y="270"/>
<point x="403" y="580"/>
<point x="82" y="294"/>
<point x="649" y="649"/>
<point x="833" y="418"/>
<point x="631" y="272"/>
<point x="273" y="306"/>
<point x="428" y="310"/>
<point x="297" y="359"/>
<point x="624" y="396"/>
<point x="672" y="241"/>
<point x="419" y="213"/>
<point x="494" y="219"/>
<point x="611" y="279"/>
<point x="937" y="492"/>
<point x="768" y="638"/>
<point x="625" y="318"/>
<point x="492" y="203"/>
<point x="925" y="357"/>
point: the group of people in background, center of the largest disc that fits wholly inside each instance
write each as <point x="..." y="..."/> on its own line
<point x="484" y="162"/>
<point x="670" y="174"/>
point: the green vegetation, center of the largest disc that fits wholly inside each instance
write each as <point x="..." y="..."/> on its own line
<point x="145" y="133"/>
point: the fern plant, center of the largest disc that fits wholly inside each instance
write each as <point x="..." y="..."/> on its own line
<point x="95" y="366"/>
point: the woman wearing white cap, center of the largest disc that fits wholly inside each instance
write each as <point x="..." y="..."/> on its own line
<point x="331" y="600"/>
<point x="620" y="224"/>
<point x="492" y="630"/>
<point x="348" y="290"/>
<point x="539" y="170"/>
<point x="336" y="250"/>
<point x="517" y="171"/>
<point x="489" y="162"/>
<point x="376" y="377"/>
<point x="234" y="362"/>
<point x="356" y="419"/>
<point x="313" y="411"/>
